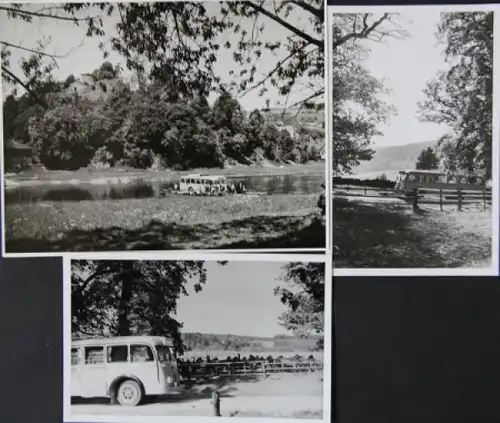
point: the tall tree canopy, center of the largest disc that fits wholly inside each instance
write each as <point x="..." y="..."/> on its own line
<point x="356" y="104"/>
<point x="120" y="298"/>
<point x="461" y="97"/>
<point x="305" y="298"/>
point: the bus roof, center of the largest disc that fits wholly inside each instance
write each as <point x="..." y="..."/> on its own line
<point x="157" y="340"/>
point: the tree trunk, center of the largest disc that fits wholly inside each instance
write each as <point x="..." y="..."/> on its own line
<point x="127" y="278"/>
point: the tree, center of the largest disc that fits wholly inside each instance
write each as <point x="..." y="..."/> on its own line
<point x="356" y="106"/>
<point x="305" y="298"/>
<point x="118" y="298"/>
<point x="461" y="97"/>
<point x="427" y="160"/>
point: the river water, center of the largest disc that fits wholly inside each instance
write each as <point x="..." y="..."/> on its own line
<point x="282" y="184"/>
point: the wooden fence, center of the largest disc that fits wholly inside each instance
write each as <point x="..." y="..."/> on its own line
<point x="247" y="368"/>
<point x="418" y="196"/>
<point x="444" y="197"/>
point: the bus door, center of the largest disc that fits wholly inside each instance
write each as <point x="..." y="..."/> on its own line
<point x="94" y="372"/>
<point x="143" y="365"/>
<point x="168" y="364"/>
<point x="77" y="385"/>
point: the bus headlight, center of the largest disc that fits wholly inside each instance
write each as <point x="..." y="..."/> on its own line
<point x="170" y="380"/>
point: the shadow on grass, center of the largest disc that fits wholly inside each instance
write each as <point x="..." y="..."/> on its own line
<point x="390" y="235"/>
<point x="191" y="391"/>
<point x="249" y="233"/>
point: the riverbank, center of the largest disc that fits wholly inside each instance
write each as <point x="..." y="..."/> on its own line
<point x="174" y="222"/>
<point x="37" y="177"/>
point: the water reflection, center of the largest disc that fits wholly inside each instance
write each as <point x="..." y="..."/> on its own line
<point x="285" y="184"/>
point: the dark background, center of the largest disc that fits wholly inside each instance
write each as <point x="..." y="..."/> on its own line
<point x="408" y="350"/>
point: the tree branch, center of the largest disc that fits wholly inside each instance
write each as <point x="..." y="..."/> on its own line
<point x="365" y="32"/>
<point x="41" y="53"/>
<point x="38" y="99"/>
<point x="318" y="13"/>
<point x="291" y="28"/>
<point x="42" y="15"/>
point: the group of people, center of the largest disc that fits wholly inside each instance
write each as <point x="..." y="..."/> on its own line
<point x="233" y="365"/>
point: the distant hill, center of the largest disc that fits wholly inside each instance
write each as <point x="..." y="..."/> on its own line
<point x="216" y="342"/>
<point x="389" y="160"/>
<point x="310" y="119"/>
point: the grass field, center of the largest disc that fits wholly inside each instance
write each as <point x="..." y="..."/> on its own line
<point x="388" y="234"/>
<point x="173" y="222"/>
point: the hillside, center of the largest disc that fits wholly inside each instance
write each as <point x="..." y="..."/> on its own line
<point x="389" y="160"/>
<point x="310" y="119"/>
<point x="217" y="342"/>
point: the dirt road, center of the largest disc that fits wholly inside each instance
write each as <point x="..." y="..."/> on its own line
<point x="289" y="406"/>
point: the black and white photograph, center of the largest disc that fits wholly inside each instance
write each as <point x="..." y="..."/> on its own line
<point x="414" y="140"/>
<point x="149" y="339"/>
<point x="163" y="126"/>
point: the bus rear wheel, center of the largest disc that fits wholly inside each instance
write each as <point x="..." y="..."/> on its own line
<point x="129" y="393"/>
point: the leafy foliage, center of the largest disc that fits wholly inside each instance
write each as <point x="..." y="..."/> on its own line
<point x="427" y="160"/>
<point x="461" y="97"/>
<point x="177" y="44"/>
<point x="305" y="299"/>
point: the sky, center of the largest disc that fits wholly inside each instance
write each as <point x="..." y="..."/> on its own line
<point x="406" y="66"/>
<point x="82" y="55"/>
<point x="236" y="299"/>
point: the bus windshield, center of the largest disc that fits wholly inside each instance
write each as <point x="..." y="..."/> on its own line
<point x="165" y="354"/>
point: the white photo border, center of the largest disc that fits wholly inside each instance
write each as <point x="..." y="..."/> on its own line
<point x="328" y="215"/>
<point x="493" y="270"/>
<point x="280" y="258"/>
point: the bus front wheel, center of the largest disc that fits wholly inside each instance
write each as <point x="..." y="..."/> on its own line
<point x="129" y="393"/>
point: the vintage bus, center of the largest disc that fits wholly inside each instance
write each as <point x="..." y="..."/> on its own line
<point x="408" y="180"/>
<point x="124" y="369"/>
<point x="196" y="184"/>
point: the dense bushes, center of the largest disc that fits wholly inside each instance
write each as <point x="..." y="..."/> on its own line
<point x="108" y="124"/>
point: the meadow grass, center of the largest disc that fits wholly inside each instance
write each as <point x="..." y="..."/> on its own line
<point x="389" y="234"/>
<point x="172" y="222"/>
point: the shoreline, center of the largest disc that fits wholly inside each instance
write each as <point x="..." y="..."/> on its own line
<point x="124" y="176"/>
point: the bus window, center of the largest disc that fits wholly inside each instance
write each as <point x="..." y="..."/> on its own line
<point x="118" y="354"/>
<point x="412" y="177"/>
<point x="94" y="355"/>
<point x="197" y="182"/>
<point x="75" y="357"/>
<point x="165" y="353"/>
<point x="140" y="353"/>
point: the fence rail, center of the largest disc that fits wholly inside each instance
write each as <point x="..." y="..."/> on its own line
<point x="418" y="196"/>
<point x="248" y="368"/>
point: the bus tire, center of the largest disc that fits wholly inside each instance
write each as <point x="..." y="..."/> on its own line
<point x="129" y="393"/>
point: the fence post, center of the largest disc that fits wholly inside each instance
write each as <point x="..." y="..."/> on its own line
<point x="441" y="199"/>
<point x="415" y="199"/>
<point x="484" y="199"/>
<point x="364" y="191"/>
<point x="459" y="203"/>
<point x="216" y="403"/>
<point x="264" y="369"/>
